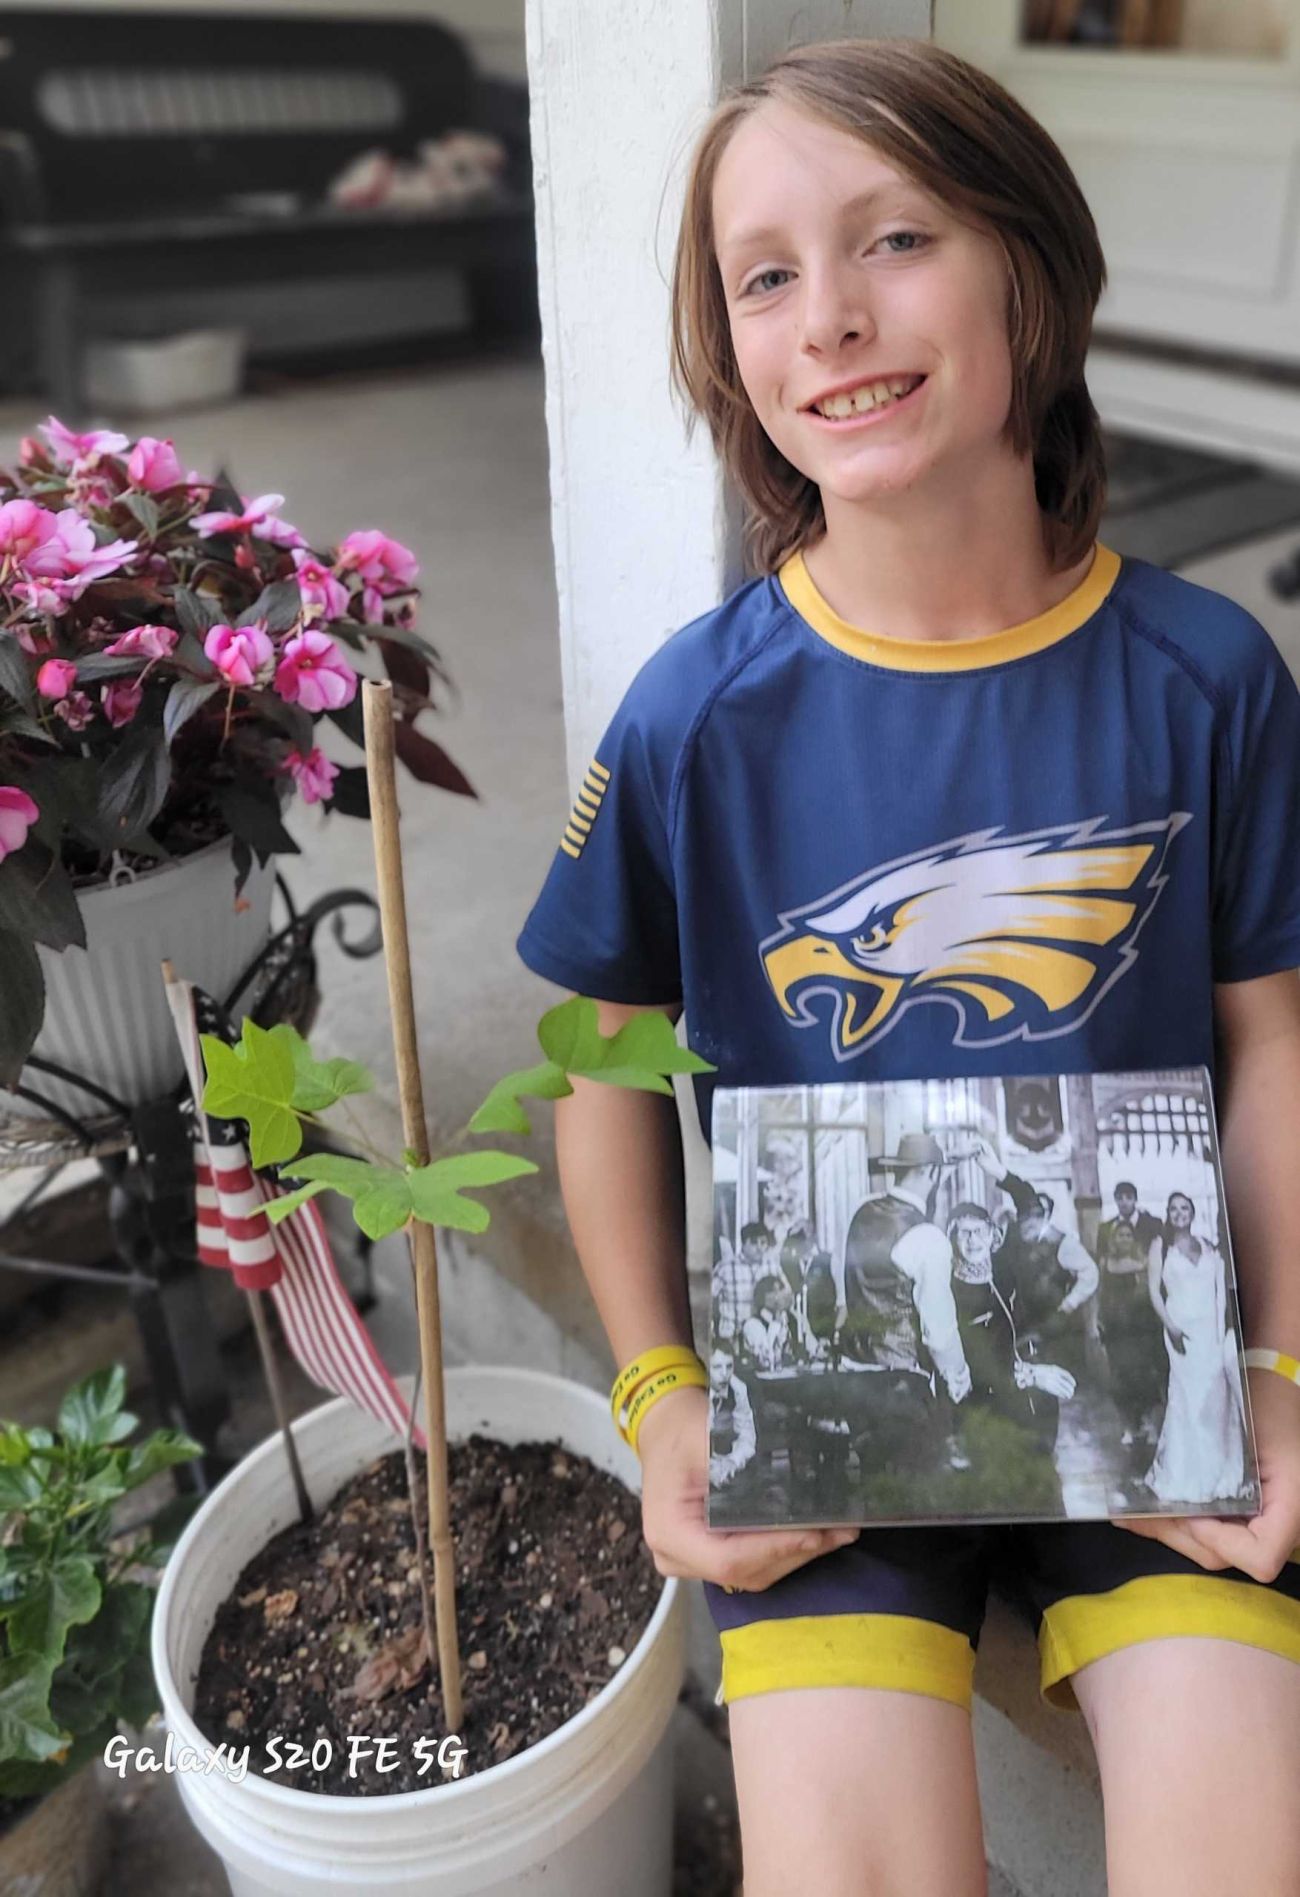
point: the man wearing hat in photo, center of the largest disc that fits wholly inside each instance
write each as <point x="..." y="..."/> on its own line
<point x="895" y="1314"/>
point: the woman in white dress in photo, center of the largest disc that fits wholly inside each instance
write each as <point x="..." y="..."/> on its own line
<point x="1201" y="1452"/>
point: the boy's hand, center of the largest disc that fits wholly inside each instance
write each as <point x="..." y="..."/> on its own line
<point x="674" y="1446"/>
<point x="1262" y="1546"/>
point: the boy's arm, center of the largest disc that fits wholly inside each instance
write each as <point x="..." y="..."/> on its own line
<point x="1258" y="1101"/>
<point x="622" y="1177"/>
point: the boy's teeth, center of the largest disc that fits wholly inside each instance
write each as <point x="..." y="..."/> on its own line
<point x="873" y="395"/>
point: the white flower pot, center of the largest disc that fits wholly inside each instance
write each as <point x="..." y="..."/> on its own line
<point x="106" y="1013"/>
<point x="587" y="1812"/>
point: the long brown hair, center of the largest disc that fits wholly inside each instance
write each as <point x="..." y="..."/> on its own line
<point x="962" y="137"/>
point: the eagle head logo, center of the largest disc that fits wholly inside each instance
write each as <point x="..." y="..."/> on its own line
<point x="1020" y="935"/>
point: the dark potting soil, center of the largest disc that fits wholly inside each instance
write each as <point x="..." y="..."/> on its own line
<point x="322" y="1641"/>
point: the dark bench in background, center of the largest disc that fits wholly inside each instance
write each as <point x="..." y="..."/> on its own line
<point x="132" y="146"/>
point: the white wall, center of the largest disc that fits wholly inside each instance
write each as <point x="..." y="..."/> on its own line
<point x="494" y="29"/>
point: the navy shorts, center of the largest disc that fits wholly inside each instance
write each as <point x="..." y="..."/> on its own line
<point x="903" y="1607"/>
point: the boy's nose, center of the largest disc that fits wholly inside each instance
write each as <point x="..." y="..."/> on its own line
<point x="833" y="317"/>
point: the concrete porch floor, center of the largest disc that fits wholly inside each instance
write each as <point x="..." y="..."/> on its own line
<point x="452" y="460"/>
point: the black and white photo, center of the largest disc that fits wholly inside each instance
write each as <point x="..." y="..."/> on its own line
<point x="974" y="1299"/>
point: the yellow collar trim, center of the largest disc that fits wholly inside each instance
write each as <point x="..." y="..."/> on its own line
<point x="951" y="655"/>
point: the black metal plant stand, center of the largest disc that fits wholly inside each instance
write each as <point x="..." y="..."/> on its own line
<point x="146" y="1155"/>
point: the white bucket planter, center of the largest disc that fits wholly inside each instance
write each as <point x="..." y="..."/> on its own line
<point x="106" y="1013"/>
<point x="587" y="1812"/>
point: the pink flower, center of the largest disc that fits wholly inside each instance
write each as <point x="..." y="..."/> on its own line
<point x="248" y="522"/>
<point x="25" y="527"/>
<point x="32" y="453"/>
<point x="38" y="596"/>
<point x="75" y="710"/>
<point x="239" y="652"/>
<point x="278" y="532"/>
<point x="153" y="465"/>
<point x="144" y="642"/>
<point x="33" y="639"/>
<point x="56" y="678"/>
<point x="121" y="700"/>
<point x="382" y="562"/>
<point x="314" y="674"/>
<point x="314" y="774"/>
<point x="89" y="485"/>
<point x="73" y="559"/>
<point x="17" y="815"/>
<point x="322" y="595"/>
<point x="68" y="446"/>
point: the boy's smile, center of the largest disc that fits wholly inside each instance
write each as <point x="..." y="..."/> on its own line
<point x="869" y="325"/>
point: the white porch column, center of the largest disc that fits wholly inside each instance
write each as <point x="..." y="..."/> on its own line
<point x="639" y="519"/>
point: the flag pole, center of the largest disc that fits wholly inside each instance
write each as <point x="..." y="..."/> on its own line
<point x="266" y="1348"/>
<point x="272" y="1371"/>
<point x="377" y="706"/>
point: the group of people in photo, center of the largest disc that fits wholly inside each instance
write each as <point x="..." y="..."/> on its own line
<point x="919" y="1368"/>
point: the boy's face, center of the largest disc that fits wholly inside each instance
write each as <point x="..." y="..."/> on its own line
<point x="825" y="290"/>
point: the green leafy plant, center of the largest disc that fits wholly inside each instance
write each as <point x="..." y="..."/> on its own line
<point x="271" y="1080"/>
<point x="74" y="1610"/>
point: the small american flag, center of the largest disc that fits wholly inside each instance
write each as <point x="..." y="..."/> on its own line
<point x="291" y="1260"/>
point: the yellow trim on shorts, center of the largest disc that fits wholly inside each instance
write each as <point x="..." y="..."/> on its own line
<point x="887" y="1650"/>
<point x="1086" y="1627"/>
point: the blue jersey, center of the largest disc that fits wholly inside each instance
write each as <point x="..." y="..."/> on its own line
<point x="859" y="858"/>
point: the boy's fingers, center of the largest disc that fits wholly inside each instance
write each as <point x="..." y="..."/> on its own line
<point x="1174" y="1535"/>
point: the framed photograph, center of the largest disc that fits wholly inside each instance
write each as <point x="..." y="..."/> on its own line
<point x="981" y="1299"/>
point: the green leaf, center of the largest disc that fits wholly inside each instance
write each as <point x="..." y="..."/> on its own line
<point x="501" y="1111"/>
<point x="19" y="1488"/>
<point x="435" y="1190"/>
<point x="91" y="1412"/>
<point x="195" y="613"/>
<point x="648" y="1041"/>
<point x="256" y="820"/>
<point x="26" y="1729"/>
<point x="17" y="673"/>
<point x="277" y="1210"/>
<point x="37" y="899"/>
<point x="189" y="653"/>
<point x="97" y="665"/>
<point x="183" y="700"/>
<point x="254" y="1081"/>
<point x="67" y="1595"/>
<point x="381" y="1196"/>
<point x="145" y="509"/>
<point x="277" y="606"/>
<point x="133" y="783"/>
<point x="350" y="792"/>
<point x="17" y="724"/>
<point x="137" y="1695"/>
<point x="22" y="1003"/>
<point x="570" y="1035"/>
<point x="163" y="1450"/>
<point x="319" y="1084"/>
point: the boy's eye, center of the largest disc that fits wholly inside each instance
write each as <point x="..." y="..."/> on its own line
<point x="762" y="281"/>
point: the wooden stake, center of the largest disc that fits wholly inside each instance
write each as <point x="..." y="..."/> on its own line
<point x="377" y="706"/>
<point x="270" y="1368"/>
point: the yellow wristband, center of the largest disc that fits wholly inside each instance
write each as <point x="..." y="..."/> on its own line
<point x="683" y="1376"/>
<point x="634" y="1374"/>
<point x="1277" y="1360"/>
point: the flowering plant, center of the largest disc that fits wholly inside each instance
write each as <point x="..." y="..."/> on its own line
<point x="167" y="648"/>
